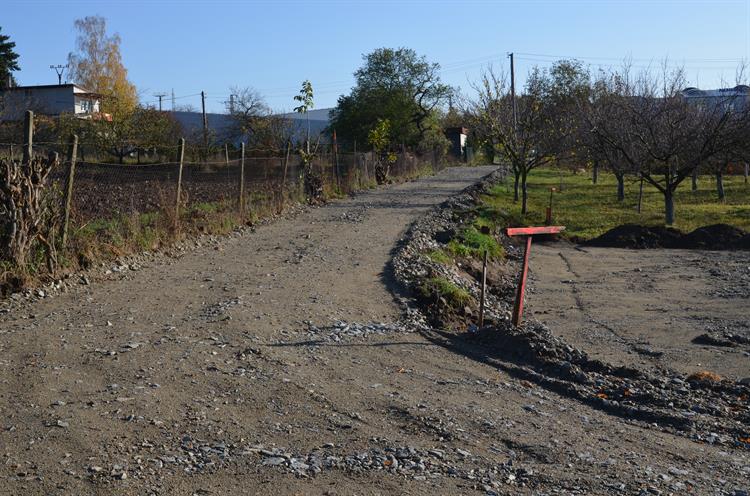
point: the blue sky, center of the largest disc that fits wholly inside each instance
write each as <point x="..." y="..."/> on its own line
<point x="189" y="45"/>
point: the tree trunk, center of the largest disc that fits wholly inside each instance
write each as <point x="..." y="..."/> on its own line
<point x="595" y="174"/>
<point x="668" y="206"/>
<point x="720" y="185"/>
<point x="620" y="187"/>
<point x="516" y="179"/>
<point x="747" y="172"/>
<point x="694" y="180"/>
<point x="525" y="194"/>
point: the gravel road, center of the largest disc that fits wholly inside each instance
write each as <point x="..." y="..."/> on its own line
<point x="274" y="362"/>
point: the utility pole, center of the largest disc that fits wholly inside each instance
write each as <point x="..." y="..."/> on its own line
<point x="59" y="69"/>
<point x="172" y="99"/>
<point x="205" y="122"/>
<point x="160" y="96"/>
<point x="513" y="90"/>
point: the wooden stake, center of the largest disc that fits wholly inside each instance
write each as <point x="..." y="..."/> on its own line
<point x="179" y="183"/>
<point x="640" y="195"/>
<point x="242" y="180"/>
<point x="226" y="154"/>
<point x="28" y="136"/>
<point x="483" y="290"/>
<point x="69" y="187"/>
<point x="286" y="166"/>
<point x="521" y="289"/>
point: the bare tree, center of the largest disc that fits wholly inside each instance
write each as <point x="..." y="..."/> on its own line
<point x="659" y="133"/>
<point x="526" y="143"/>
<point x="602" y="117"/>
<point x="254" y="123"/>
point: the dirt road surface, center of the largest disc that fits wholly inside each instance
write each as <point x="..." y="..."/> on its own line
<point x="224" y="371"/>
<point x="645" y="308"/>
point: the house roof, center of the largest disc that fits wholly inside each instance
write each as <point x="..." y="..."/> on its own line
<point x="50" y="86"/>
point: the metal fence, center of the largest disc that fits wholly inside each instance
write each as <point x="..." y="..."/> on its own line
<point x="236" y="183"/>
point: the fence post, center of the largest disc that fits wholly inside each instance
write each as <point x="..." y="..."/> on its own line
<point x="483" y="290"/>
<point x="226" y="154"/>
<point x="286" y="166"/>
<point x="179" y="183"/>
<point x="242" y="180"/>
<point x="69" y="187"/>
<point x="28" y="135"/>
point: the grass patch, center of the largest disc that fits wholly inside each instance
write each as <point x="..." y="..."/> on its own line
<point x="455" y="297"/>
<point x="588" y="210"/>
<point x="439" y="256"/>
<point x="472" y="243"/>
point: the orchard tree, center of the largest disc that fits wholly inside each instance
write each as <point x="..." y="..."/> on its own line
<point x="527" y="142"/>
<point x="395" y="85"/>
<point x="733" y="147"/>
<point x="659" y="133"/>
<point x="603" y="110"/>
<point x="97" y="65"/>
<point x="8" y="61"/>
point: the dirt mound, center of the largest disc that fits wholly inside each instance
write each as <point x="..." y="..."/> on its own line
<point x="636" y="236"/>
<point x="713" y="237"/>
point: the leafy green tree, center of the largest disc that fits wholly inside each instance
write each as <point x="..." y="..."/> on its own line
<point x="393" y="84"/>
<point x="8" y="61"/>
<point x="305" y="98"/>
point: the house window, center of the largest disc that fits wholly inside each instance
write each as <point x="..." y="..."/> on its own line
<point x="87" y="106"/>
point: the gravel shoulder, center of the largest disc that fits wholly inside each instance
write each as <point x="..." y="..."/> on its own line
<point x="277" y="362"/>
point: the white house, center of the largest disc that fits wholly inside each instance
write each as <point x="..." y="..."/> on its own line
<point x="52" y="99"/>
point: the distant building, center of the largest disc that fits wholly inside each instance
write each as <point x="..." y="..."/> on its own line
<point x="221" y="125"/>
<point x="52" y="100"/>
<point x="731" y="98"/>
<point x="457" y="136"/>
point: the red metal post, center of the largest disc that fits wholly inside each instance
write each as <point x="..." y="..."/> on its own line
<point x="521" y="289"/>
<point x="529" y="232"/>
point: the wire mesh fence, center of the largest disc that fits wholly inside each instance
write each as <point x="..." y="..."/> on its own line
<point x="227" y="183"/>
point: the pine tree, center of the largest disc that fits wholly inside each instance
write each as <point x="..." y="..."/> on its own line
<point x="8" y="61"/>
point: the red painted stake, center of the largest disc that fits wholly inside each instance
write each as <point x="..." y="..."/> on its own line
<point x="521" y="289"/>
<point x="529" y="232"/>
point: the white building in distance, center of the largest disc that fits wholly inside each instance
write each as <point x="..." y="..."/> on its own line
<point x="52" y="100"/>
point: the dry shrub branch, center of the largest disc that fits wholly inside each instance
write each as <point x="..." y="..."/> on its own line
<point x="27" y="216"/>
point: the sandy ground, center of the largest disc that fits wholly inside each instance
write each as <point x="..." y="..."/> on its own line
<point x="644" y="308"/>
<point x="201" y="375"/>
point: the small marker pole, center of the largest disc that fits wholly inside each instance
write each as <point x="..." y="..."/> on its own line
<point x="483" y="290"/>
<point x="529" y="232"/>
<point x="521" y="290"/>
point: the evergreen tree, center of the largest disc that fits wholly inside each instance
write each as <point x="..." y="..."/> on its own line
<point x="8" y="61"/>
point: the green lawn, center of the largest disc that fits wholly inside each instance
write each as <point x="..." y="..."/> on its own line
<point x="588" y="210"/>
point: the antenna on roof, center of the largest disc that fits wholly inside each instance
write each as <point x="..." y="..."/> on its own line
<point x="59" y="69"/>
<point x="160" y="96"/>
